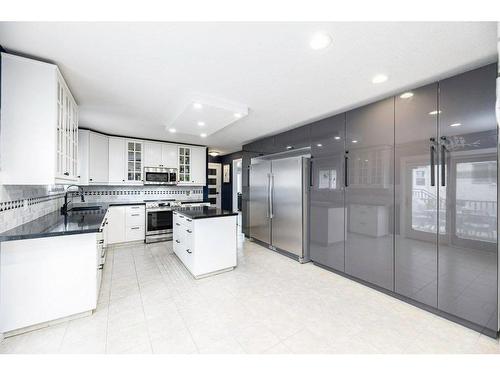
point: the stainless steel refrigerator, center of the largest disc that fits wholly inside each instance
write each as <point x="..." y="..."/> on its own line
<point x="278" y="204"/>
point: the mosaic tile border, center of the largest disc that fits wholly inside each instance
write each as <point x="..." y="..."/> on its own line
<point x="27" y="202"/>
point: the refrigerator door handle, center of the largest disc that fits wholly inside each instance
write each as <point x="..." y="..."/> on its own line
<point x="271" y="193"/>
<point x="443" y="162"/>
<point x="433" y="163"/>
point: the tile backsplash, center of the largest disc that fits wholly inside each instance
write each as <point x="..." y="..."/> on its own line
<point x="21" y="204"/>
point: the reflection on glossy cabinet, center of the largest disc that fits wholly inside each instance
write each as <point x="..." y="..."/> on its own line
<point x="468" y="243"/>
<point x="370" y="155"/>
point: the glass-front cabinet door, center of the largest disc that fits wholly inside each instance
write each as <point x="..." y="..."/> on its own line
<point x="134" y="161"/>
<point x="184" y="164"/>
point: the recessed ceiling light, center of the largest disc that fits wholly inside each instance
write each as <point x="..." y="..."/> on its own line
<point x="213" y="153"/>
<point x="433" y="113"/>
<point x="379" y="78"/>
<point x="456" y="124"/>
<point x="354" y="141"/>
<point x="201" y="123"/>
<point x="320" y="145"/>
<point x="197" y="106"/>
<point x="237" y="115"/>
<point x="320" y="41"/>
<point x="172" y="130"/>
<point x="406" y="95"/>
<point x="337" y="138"/>
<point x="203" y="135"/>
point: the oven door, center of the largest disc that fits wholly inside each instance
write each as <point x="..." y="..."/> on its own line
<point x="156" y="178"/>
<point x="159" y="221"/>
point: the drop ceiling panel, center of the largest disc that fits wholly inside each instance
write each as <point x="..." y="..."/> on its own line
<point x="207" y="117"/>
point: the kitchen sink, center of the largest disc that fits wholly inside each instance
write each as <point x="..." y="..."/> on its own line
<point x="86" y="208"/>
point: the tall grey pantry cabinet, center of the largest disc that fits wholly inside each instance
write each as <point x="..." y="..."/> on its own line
<point x="468" y="239"/>
<point x="327" y="192"/>
<point x="407" y="202"/>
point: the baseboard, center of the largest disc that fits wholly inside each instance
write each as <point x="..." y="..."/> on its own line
<point x="51" y="323"/>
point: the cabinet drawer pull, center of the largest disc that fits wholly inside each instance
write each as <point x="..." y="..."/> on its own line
<point x="135" y="207"/>
<point x="189" y="231"/>
<point x="101" y="241"/>
<point x="177" y="241"/>
<point x="100" y="267"/>
<point x="182" y="217"/>
<point x="189" y="220"/>
<point x="135" y="228"/>
<point x="177" y="224"/>
<point x="189" y="251"/>
<point x="135" y="214"/>
<point x="66" y="173"/>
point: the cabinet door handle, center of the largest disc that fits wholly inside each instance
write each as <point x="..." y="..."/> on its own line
<point x="189" y="251"/>
<point x="443" y="162"/>
<point x="177" y="241"/>
<point x="101" y="241"/>
<point x="90" y="179"/>
<point x="346" y="170"/>
<point x="177" y="224"/>
<point x="100" y="267"/>
<point x="189" y="231"/>
<point x="311" y="176"/>
<point x="189" y="220"/>
<point x="432" y="151"/>
<point x="66" y="173"/>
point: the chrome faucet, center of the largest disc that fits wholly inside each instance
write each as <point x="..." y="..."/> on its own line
<point x="64" y="208"/>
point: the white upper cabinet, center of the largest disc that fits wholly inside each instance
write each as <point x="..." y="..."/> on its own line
<point x="117" y="161"/>
<point x="169" y="155"/>
<point x="98" y="159"/>
<point x="39" y="124"/>
<point x="107" y="160"/>
<point x="192" y="165"/>
<point x="152" y="154"/>
<point x="199" y="166"/>
<point x="158" y="154"/>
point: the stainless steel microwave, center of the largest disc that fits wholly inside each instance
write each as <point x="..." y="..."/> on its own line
<point x="160" y="176"/>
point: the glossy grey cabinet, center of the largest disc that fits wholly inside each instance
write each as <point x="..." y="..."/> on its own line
<point x="326" y="210"/>
<point x="416" y="194"/>
<point x="369" y="195"/>
<point x="468" y="252"/>
<point x="292" y="139"/>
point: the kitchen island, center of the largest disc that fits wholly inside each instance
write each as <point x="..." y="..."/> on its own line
<point x="205" y="240"/>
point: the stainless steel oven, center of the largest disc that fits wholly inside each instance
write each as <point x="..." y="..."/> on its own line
<point x="159" y="221"/>
<point x="160" y="176"/>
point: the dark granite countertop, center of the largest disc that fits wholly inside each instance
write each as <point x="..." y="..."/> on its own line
<point x="55" y="224"/>
<point x="203" y="212"/>
<point x="83" y="218"/>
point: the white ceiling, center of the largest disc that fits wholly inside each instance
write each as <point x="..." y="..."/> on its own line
<point x="134" y="78"/>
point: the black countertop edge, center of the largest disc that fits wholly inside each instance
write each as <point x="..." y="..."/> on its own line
<point x="7" y="238"/>
<point x="196" y="213"/>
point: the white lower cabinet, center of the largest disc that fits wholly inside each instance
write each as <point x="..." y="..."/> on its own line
<point x="126" y="223"/>
<point x="49" y="278"/>
<point x="205" y="246"/>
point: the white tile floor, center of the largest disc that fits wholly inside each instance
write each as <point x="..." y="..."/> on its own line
<point x="269" y="304"/>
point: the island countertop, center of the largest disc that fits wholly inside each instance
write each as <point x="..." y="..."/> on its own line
<point x="203" y="212"/>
